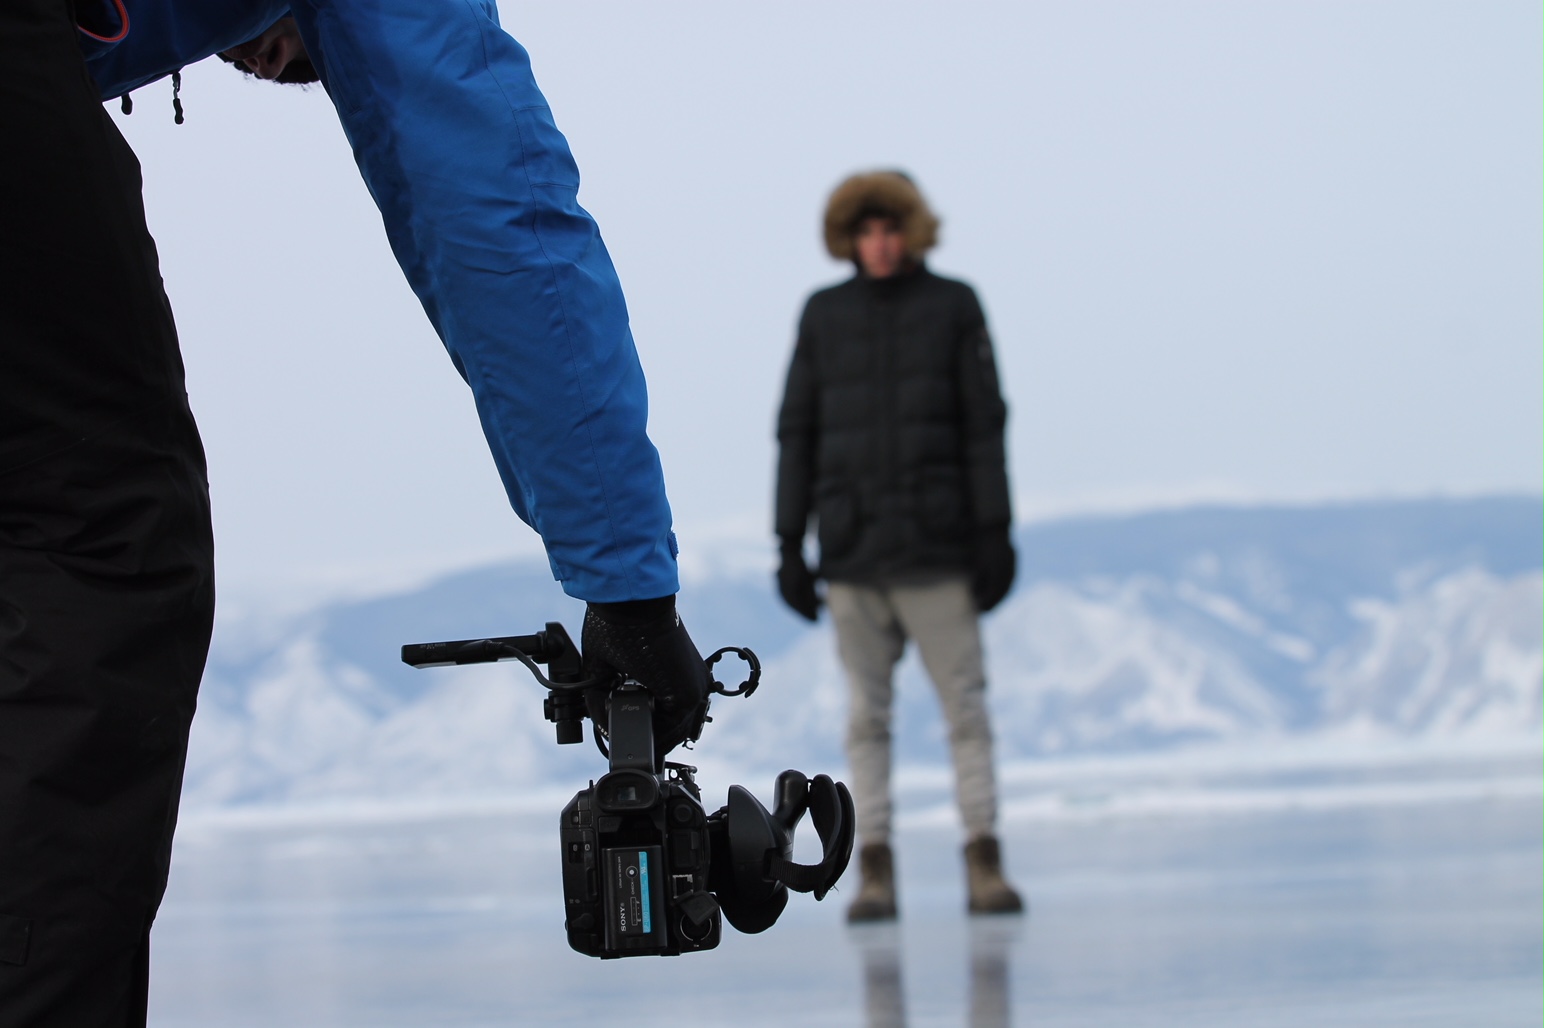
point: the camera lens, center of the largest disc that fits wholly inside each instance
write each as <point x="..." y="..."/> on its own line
<point x="628" y="790"/>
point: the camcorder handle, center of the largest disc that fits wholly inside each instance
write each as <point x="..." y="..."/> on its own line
<point x="565" y="681"/>
<point x="753" y="866"/>
<point x="552" y="646"/>
<point x="630" y="716"/>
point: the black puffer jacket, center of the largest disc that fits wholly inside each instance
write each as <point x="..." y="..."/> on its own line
<point x="891" y="429"/>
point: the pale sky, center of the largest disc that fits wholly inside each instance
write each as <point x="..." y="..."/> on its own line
<point x="1243" y="250"/>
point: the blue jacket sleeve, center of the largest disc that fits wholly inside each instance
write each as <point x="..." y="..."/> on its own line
<point x="479" y="195"/>
<point x="478" y="192"/>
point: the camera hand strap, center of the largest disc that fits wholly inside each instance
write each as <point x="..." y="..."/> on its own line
<point x="830" y="807"/>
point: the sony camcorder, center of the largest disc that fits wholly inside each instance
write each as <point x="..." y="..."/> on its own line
<point x="646" y="870"/>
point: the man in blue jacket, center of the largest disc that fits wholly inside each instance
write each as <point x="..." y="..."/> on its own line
<point x="106" y="582"/>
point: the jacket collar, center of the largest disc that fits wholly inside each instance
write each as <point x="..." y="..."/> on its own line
<point x="894" y="283"/>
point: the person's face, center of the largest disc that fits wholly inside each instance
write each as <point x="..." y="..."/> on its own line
<point x="270" y="54"/>
<point x="880" y="246"/>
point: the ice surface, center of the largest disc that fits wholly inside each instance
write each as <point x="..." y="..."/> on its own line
<point x="1335" y="892"/>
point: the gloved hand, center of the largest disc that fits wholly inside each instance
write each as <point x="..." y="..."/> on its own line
<point x="992" y="568"/>
<point x="796" y="582"/>
<point x="644" y="640"/>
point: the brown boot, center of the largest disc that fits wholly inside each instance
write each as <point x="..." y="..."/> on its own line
<point x="990" y="892"/>
<point x="876" y="894"/>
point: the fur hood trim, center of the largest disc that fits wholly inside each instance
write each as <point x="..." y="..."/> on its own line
<point x="888" y="192"/>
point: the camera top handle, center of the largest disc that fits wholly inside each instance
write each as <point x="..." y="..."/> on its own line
<point x="551" y="646"/>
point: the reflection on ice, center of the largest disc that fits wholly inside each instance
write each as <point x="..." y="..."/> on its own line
<point x="884" y="998"/>
<point x="990" y="941"/>
<point x="884" y="993"/>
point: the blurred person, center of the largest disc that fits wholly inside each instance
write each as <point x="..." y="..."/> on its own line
<point x="106" y="550"/>
<point x="891" y="436"/>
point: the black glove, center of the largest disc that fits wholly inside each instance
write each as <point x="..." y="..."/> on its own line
<point x="992" y="570"/>
<point x="644" y="640"/>
<point x="796" y="582"/>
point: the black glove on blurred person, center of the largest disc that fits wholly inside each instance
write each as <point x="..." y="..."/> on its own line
<point x="993" y="568"/>
<point x="644" y="640"/>
<point x="796" y="582"/>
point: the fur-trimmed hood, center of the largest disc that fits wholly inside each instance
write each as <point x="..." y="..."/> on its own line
<point x="891" y="193"/>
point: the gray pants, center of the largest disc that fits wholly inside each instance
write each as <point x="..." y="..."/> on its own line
<point x="872" y="626"/>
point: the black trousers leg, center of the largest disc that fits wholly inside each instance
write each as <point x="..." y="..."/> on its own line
<point x="106" y="554"/>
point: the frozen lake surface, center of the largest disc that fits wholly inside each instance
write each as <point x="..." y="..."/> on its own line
<point x="1396" y="894"/>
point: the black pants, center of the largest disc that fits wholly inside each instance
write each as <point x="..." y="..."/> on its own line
<point x="106" y="554"/>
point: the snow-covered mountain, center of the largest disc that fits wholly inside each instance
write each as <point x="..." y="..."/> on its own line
<point x="1381" y="620"/>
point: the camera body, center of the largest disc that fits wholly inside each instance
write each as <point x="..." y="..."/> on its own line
<point x="636" y="865"/>
<point x="636" y="852"/>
